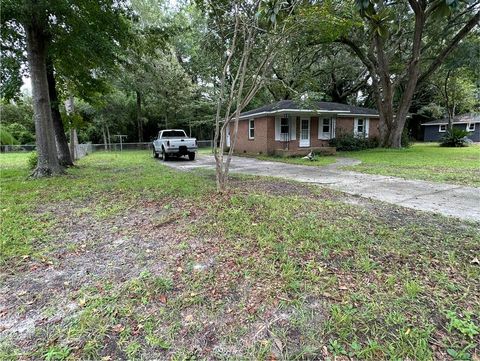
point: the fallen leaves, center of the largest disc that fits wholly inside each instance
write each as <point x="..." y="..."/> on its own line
<point x="118" y="328"/>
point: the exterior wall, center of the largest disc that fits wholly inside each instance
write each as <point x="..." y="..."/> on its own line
<point x="265" y="143"/>
<point x="431" y="133"/>
<point x="259" y="144"/>
<point x="294" y="145"/>
<point x="345" y="126"/>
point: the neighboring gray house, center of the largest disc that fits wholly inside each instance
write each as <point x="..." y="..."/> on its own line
<point x="436" y="129"/>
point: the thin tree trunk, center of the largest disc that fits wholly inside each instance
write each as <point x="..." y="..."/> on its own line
<point x="69" y="107"/>
<point x="139" y="116"/>
<point x="45" y="139"/>
<point x="109" y="138"/>
<point x="104" y="137"/>
<point x="413" y="73"/>
<point x="64" y="157"/>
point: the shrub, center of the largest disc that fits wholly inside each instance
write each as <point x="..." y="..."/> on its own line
<point x="6" y="138"/>
<point x="348" y="142"/>
<point x="406" y="143"/>
<point x="20" y="133"/>
<point x="455" y="138"/>
<point x="32" y="160"/>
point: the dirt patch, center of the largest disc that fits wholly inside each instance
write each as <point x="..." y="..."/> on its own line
<point x="86" y="250"/>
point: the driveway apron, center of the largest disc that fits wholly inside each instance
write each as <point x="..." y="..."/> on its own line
<point x="446" y="199"/>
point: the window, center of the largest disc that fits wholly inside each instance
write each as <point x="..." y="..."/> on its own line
<point x="442" y="128"/>
<point x="284" y="129"/>
<point x="251" y="129"/>
<point x="360" y="126"/>
<point x="174" y="134"/>
<point x="326" y="128"/>
<point x="470" y="127"/>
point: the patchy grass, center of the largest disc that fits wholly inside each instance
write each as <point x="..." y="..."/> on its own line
<point x="132" y="260"/>
<point x="426" y="161"/>
<point x="109" y="181"/>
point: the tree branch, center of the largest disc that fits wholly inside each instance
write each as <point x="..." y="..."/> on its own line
<point x="449" y="48"/>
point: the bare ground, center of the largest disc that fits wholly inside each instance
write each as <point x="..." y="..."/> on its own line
<point x="217" y="321"/>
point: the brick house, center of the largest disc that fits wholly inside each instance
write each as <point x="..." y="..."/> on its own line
<point x="287" y="127"/>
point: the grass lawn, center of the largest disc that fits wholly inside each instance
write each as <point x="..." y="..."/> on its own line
<point x="427" y="161"/>
<point x="124" y="258"/>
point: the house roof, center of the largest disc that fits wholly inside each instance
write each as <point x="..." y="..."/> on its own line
<point x="314" y="107"/>
<point x="459" y="119"/>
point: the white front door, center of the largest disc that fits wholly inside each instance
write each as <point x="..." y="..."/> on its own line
<point x="304" y="132"/>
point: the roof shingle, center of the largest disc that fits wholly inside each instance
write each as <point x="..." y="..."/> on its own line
<point x="312" y="106"/>
<point x="459" y="119"/>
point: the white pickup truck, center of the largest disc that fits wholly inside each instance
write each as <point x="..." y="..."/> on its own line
<point x="174" y="143"/>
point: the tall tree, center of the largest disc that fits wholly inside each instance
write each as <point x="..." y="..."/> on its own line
<point x="62" y="31"/>
<point x="247" y="42"/>
<point x="35" y="25"/>
<point x="64" y="157"/>
<point x="392" y="43"/>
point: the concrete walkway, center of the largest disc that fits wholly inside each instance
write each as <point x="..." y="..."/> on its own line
<point x="447" y="199"/>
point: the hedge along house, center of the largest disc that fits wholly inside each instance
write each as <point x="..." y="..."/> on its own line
<point x="288" y="128"/>
<point x="436" y="129"/>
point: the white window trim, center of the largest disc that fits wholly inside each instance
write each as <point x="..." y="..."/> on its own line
<point x="288" y="125"/>
<point x="468" y="127"/>
<point x="366" y="126"/>
<point x="250" y="128"/>
<point x="331" y="133"/>
<point x="292" y="129"/>
<point x="440" y="128"/>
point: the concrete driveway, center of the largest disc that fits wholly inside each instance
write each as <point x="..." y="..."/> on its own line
<point x="447" y="199"/>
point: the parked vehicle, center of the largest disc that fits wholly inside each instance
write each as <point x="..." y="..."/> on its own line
<point x="174" y="143"/>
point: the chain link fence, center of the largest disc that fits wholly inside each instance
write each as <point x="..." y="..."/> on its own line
<point x="86" y="148"/>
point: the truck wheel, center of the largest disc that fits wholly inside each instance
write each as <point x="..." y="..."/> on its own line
<point x="164" y="155"/>
<point x="155" y="154"/>
<point x="191" y="156"/>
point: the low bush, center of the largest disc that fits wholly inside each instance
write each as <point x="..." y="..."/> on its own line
<point x="349" y="142"/>
<point x="455" y="138"/>
<point x="406" y="139"/>
<point x="32" y="160"/>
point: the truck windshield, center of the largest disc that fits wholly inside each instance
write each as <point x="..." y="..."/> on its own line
<point x="173" y="134"/>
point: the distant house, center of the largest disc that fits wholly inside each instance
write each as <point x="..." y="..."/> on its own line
<point x="287" y="127"/>
<point x="436" y="129"/>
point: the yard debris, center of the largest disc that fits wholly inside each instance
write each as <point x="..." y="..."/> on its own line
<point x="118" y="328"/>
<point x="475" y="261"/>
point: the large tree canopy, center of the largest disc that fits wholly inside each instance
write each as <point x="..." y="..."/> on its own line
<point x="137" y="66"/>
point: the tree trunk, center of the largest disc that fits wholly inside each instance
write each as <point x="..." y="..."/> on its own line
<point x="139" y="116"/>
<point x="45" y="139"/>
<point x="109" y="138"/>
<point x="104" y="137"/>
<point x="69" y="107"/>
<point x="64" y="157"/>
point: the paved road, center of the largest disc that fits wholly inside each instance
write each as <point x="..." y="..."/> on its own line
<point x="447" y="199"/>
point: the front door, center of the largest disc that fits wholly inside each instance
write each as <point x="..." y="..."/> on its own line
<point x="304" y="132"/>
